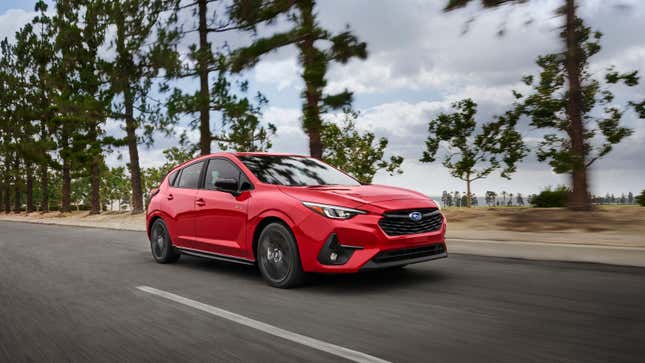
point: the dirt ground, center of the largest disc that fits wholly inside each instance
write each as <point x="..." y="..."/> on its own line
<point x="114" y="220"/>
<point x="605" y="218"/>
<point x="622" y="226"/>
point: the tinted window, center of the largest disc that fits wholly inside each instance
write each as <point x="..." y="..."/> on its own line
<point x="172" y="178"/>
<point x="295" y="171"/>
<point x="220" y="169"/>
<point x="190" y="176"/>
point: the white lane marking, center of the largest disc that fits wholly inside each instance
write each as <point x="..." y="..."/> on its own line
<point x="269" y="329"/>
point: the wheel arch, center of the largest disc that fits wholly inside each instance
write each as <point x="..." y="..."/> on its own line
<point x="152" y="221"/>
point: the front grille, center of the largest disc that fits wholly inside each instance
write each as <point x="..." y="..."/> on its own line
<point x="409" y="253"/>
<point x="398" y="223"/>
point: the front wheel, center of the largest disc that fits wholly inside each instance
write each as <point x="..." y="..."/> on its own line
<point x="162" y="249"/>
<point x="278" y="258"/>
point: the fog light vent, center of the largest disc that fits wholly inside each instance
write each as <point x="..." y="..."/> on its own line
<point x="332" y="253"/>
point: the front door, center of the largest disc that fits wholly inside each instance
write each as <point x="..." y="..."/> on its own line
<point x="221" y="217"/>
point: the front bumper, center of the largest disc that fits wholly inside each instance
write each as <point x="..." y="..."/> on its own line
<point x="406" y="256"/>
<point x="370" y="247"/>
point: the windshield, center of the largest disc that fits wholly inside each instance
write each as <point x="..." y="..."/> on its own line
<point x="294" y="171"/>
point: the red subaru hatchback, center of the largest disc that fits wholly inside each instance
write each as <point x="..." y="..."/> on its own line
<point x="291" y="215"/>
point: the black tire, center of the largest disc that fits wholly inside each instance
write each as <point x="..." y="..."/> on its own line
<point x="160" y="244"/>
<point x="278" y="257"/>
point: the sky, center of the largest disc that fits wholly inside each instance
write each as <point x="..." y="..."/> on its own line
<point x="421" y="60"/>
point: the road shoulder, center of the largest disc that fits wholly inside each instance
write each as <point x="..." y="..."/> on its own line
<point x="601" y="247"/>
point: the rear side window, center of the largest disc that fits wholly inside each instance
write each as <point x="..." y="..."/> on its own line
<point x="190" y="176"/>
<point x="172" y="178"/>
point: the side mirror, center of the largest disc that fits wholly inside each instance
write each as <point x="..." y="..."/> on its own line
<point x="228" y="185"/>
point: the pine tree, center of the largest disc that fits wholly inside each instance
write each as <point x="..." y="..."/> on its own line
<point x="359" y="154"/>
<point x="6" y="121"/>
<point x="573" y="61"/>
<point x="239" y="125"/>
<point x="472" y="156"/>
<point x="520" y="199"/>
<point x="35" y="42"/>
<point x="307" y="35"/>
<point x="491" y="198"/>
<point x="85" y="99"/>
<point x="24" y="115"/>
<point x="548" y="107"/>
<point x="131" y="78"/>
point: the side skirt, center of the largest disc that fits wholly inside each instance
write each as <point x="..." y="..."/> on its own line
<point x="215" y="256"/>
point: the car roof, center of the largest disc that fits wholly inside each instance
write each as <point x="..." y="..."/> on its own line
<point x="233" y="153"/>
<point x="266" y="154"/>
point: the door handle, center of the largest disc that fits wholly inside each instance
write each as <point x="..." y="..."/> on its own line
<point x="170" y="197"/>
<point x="200" y="202"/>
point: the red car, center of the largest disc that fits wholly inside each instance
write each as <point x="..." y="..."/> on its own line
<point x="290" y="215"/>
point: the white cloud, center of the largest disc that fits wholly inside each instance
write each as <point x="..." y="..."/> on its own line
<point x="415" y="48"/>
<point x="290" y="138"/>
<point x="12" y="20"/>
<point x="282" y="73"/>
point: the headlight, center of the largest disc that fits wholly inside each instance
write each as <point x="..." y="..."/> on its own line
<point x="437" y="204"/>
<point x="332" y="211"/>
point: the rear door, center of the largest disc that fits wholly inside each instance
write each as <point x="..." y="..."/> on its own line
<point x="221" y="219"/>
<point x="181" y="203"/>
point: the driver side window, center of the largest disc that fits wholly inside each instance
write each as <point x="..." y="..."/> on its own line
<point x="223" y="169"/>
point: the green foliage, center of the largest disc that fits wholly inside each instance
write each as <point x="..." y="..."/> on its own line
<point x="238" y="126"/>
<point x="131" y="75"/>
<point x="640" y="199"/>
<point x="639" y="107"/>
<point x="82" y="96"/>
<point x="116" y="187"/>
<point x="548" y="102"/>
<point x="175" y="155"/>
<point x="456" y="4"/>
<point x="359" y="154"/>
<point x="551" y="198"/>
<point x="474" y="154"/>
<point x="308" y="36"/>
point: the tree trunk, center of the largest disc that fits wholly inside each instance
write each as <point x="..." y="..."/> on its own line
<point x="579" y="196"/>
<point x="204" y="92"/>
<point x="315" y="144"/>
<point x="66" y="192"/>
<point x="17" y="205"/>
<point x="17" y="202"/>
<point x="135" y="169"/>
<point x="468" y="201"/>
<point x="44" y="181"/>
<point x="30" y="188"/>
<point x="95" y="192"/>
<point x="311" y="109"/>
<point x="2" y="194"/>
<point x="7" y="186"/>
<point x="94" y="169"/>
<point x="313" y="85"/>
<point x="7" y="200"/>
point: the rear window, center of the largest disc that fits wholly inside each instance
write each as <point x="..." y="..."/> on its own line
<point x="190" y="176"/>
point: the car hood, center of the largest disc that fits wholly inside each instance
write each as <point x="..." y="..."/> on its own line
<point x="353" y="196"/>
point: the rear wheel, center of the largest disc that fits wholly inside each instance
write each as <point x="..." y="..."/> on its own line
<point x="161" y="245"/>
<point x="278" y="257"/>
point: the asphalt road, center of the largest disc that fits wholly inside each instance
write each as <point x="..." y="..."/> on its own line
<point x="70" y="294"/>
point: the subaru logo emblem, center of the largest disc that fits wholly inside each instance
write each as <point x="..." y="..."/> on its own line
<point x="415" y="216"/>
